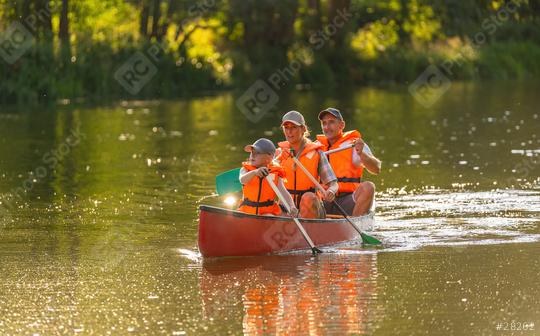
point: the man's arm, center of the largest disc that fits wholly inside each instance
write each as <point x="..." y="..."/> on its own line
<point x="362" y="156"/>
<point x="328" y="177"/>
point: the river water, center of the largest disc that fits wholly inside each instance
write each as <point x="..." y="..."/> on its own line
<point x="98" y="233"/>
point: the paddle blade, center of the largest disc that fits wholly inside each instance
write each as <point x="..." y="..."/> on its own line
<point x="366" y="239"/>
<point x="228" y="182"/>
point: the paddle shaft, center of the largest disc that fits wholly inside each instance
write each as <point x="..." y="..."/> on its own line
<point x="313" y="180"/>
<point x="227" y="182"/>
<point x="296" y="221"/>
<point x="338" y="149"/>
<point x="318" y="185"/>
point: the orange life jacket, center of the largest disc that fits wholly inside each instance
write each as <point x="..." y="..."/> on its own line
<point x="349" y="176"/>
<point x="259" y="197"/>
<point x="297" y="181"/>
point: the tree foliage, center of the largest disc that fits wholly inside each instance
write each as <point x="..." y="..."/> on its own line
<point x="211" y="44"/>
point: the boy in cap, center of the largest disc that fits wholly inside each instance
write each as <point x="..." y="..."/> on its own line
<point x="258" y="195"/>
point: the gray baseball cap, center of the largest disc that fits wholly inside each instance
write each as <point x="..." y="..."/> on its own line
<point x="333" y="111"/>
<point x="262" y="145"/>
<point x="294" y="117"/>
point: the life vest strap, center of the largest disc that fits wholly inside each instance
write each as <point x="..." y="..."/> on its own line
<point x="300" y="192"/>
<point x="248" y="202"/>
<point x="297" y="195"/>
<point x="350" y="179"/>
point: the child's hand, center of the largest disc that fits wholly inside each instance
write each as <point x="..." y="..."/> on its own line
<point x="262" y="172"/>
<point x="294" y="212"/>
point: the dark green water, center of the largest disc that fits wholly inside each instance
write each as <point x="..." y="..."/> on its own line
<point x="99" y="205"/>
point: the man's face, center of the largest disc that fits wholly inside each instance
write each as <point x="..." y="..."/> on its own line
<point x="292" y="132"/>
<point x="332" y="127"/>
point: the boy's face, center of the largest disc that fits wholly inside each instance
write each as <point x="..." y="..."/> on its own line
<point x="259" y="159"/>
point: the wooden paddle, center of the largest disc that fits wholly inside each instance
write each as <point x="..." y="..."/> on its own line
<point x="314" y="250"/>
<point x="228" y="182"/>
<point x="366" y="239"/>
<point x="338" y="149"/>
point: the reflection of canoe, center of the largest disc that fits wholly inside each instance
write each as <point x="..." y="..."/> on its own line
<point x="277" y="264"/>
<point x="291" y="294"/>
<point x="224" y="232"/>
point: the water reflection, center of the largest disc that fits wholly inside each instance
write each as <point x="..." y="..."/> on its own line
<point x="327" y="294"/>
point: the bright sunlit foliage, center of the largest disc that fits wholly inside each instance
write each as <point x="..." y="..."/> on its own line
<point x="212" y="45"/>
<point x="375" y="38"/>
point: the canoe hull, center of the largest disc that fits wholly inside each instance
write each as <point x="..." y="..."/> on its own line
<point x="225" y="232"/>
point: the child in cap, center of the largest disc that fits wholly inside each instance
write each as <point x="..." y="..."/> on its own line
<point x="258" y="195"/>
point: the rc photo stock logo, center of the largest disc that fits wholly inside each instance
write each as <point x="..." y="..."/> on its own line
<point x="138" y="70"/>
<point x="429" y="86"/>
<point x="257" y="100"/>
<point x="282" y="235"/>
<point x="261" y="96"/>
<point x="433" y="82"/>
<point x="14" y="42"/>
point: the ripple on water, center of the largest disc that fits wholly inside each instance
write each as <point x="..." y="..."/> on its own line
<point x="442" y="217"/>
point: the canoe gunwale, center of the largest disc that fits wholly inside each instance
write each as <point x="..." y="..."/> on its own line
<point x="235" y="213"/>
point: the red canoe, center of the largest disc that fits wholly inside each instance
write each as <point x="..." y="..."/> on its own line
<point x="224" y="232"/>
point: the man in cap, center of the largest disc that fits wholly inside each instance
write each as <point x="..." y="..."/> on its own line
<point x="310" y="156"/>
<point x="354" y="195"/>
